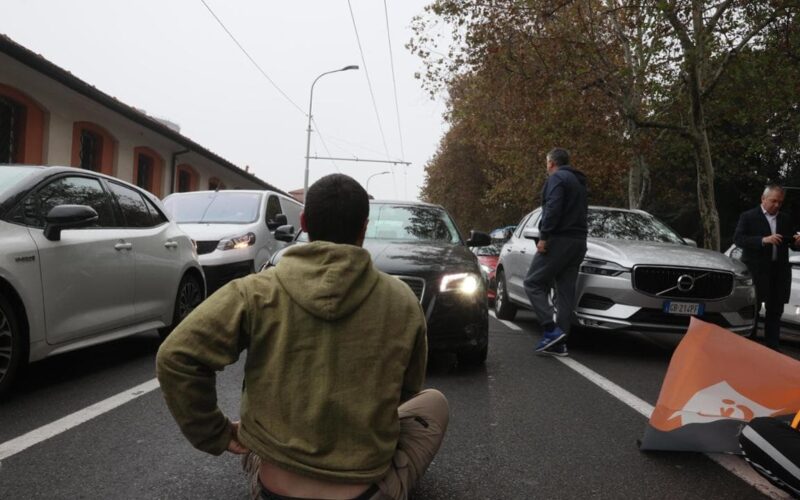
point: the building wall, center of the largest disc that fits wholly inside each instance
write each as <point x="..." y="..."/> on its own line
<point x="64" y="107"/>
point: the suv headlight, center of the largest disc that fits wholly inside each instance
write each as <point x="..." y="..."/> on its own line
<point x="602" y="267"/>
<point x="744" y="279"/>
<point x="242" y="241"/>
<point x="466" y="283"/>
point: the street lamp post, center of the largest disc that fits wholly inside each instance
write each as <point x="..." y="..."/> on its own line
<point x="373" y="175"/>
<point x="308" y="136"/>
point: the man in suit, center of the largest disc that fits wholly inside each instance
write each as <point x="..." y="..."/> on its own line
<point x="765" y="234"/>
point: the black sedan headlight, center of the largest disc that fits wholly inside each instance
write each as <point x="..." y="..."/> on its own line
<point x="463" y="283"/>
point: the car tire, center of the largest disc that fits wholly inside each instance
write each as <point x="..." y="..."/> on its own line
<point x="12" y="352"/>
<point x="473" y="358"/>
<point x="503" y="308"/>
<point x="190" y="294"/>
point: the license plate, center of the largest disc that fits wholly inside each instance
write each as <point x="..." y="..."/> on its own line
<point x="683" y="308"/>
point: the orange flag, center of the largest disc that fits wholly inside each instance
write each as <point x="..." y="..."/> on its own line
<point x="716" y="382"/>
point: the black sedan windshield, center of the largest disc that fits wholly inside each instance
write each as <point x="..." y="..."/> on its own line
<point x="624" y="225"/>
<point x="410" y="224"/>
<point x="223" y="207"/>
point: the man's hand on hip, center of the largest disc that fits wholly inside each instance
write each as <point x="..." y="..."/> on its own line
<point x="234" y="446"/>
<point x="541" y="246"/>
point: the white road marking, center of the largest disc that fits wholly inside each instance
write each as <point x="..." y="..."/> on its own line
<point x="732" y="463"/>
<point x="36" y="436"/>
<point x="610" y="387"/>
<point x="505" y="322"/>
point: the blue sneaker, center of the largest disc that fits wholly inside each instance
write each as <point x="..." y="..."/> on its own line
<point x="550" y="338"/>
<point x="559" y="350"/>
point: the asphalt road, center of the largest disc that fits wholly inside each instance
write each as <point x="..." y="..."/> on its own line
<point x="524" y="426"/>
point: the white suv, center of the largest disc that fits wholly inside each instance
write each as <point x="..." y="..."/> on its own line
<point x="234" y="229"/>
<point x="86" y="259"/>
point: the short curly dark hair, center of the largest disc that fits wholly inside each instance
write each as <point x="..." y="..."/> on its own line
<point x="336" y="209"/>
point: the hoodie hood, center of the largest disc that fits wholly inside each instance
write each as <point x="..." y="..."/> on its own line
<point x="577" y="173"/>
<point x="327" y="280"/>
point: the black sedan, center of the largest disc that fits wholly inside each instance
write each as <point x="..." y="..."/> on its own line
<point x="419" y="244"/>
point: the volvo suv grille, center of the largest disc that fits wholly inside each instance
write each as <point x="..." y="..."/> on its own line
<point x="682" y="283"/>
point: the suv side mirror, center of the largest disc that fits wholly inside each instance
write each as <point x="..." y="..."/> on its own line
<point x="63" y="217"/>
<point x="531" y="233"/>
<point x="285" y="233"/>
<point x="690" y="242"/>
<point x="478" y="239"/>
<point x="278" y="221"/>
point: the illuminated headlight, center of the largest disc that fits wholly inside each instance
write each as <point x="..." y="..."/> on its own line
<point x="602" y="267"/>
<point x="242" y="241"/>
<point x="466" y="283"/>
<point x="744" y="279"/>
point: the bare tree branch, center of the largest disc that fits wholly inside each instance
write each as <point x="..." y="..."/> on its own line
<point x="712" y="23"/>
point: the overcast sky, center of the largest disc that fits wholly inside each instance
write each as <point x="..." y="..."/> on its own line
<point x="174" y="60"/>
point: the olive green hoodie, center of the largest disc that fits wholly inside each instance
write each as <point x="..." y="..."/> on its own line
<point x="333" y="345"/>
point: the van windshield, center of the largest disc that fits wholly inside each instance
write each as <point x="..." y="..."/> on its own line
<point x="219" y="207"/>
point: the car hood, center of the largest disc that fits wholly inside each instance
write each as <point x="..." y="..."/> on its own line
<point x="213" y="232"/>
<point x="628" y="253"/>
<point x="420" y="258"/>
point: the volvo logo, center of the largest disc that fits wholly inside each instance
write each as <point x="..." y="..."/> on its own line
<point x="685" y="283"/>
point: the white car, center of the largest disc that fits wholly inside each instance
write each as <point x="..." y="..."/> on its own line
<point x="791" y="311"/>
<point x="86" y="259"/>
<point x="233" y="229"/>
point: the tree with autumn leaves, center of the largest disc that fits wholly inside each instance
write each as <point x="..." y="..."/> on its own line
<point x="626" y="86"/>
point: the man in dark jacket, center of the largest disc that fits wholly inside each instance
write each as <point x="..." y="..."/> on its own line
<point x="560" y="251"/>
<point x="765" y="234"/>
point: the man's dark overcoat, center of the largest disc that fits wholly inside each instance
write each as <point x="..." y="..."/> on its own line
<point x="751" y="229"/>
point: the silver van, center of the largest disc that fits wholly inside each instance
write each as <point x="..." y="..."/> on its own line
<point x="233" y="229"/>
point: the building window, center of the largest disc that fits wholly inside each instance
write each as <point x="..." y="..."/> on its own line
<point x="93" y="148"/>
<point x="186" y="179"/>
<point x="144" y="171"/>
<point x="12" y="117"/>
<point x="21" y="128"/>
<point x="148" y="168"/>
<point x="90" y="150"/>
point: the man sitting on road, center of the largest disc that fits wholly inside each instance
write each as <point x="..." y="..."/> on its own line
<point x="336" y="357"/>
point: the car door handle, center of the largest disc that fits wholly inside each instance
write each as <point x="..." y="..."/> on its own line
<point x="171" y="244"/>
<point x="522" y="251"/>
<point x="123" y="246"/>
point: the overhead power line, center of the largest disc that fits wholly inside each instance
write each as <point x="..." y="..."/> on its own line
<point x="369" y="82"/>
<point x="394" y="81"/>
<point x="322" y="139"/>
<point x="253" y="60"/>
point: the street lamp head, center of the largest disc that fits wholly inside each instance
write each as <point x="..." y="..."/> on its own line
<point x="352" y="66"/>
